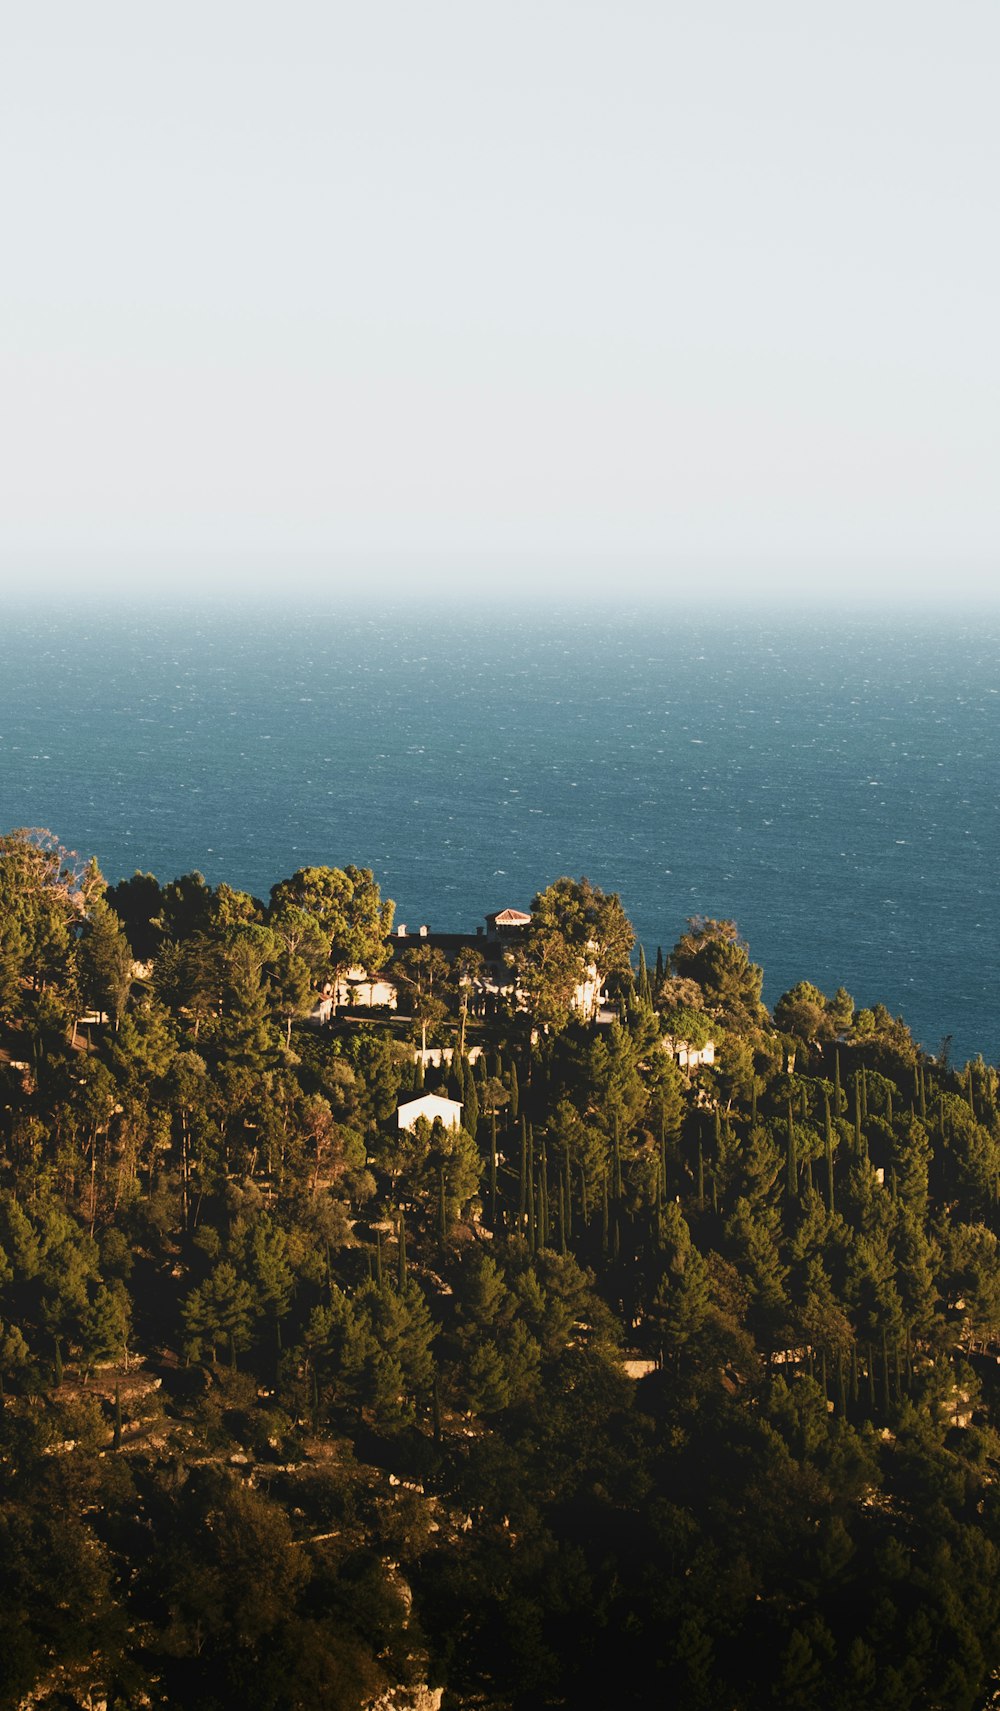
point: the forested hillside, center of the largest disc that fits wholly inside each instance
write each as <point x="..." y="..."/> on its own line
<point x="643" y="1386"/>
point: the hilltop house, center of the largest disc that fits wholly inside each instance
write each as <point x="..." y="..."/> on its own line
<point x="494" y="942"/>
<point x="379" y="988"/>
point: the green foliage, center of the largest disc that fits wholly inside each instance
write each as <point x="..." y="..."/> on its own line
<point x="379" y="1347"/>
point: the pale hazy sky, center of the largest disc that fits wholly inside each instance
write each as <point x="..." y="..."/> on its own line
<point x="547" y="295"/>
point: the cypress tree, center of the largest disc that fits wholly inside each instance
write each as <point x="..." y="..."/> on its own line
<point x="616" y="1208"/>
<point x="515" y="1093"/>
<point x="543" y="1182"/>
<point x="792" y="1176"/>
<point x="522" y="1203"/>
<point x="828" y="1139"/>
<point x="418" y="1075"/>
<point x="658" y="975"/>
<point x="753" y="1102"/>
<point x="401" y="1254"/>
<point x="493" y="1167"/>
<point x="471" y="1113"/>
<point x="972" y="1102"/>
<point x="923" y="1092"/>
<point x="701" y="1174"/>
<point x="838" y="1098"/>
<point x="864" y="1093"/>
<point x="532" y="1242"/>
<point x="888" y="1106"/>
<point x="642" y="983"/>
<point x="568" y="1181"/>
<point x="442" y="1204"/>
<point x="858" y="1143"/>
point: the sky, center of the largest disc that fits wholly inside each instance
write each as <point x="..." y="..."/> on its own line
<point x="563" y="296"/>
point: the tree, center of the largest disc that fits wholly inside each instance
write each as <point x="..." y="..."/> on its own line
<point x="348" y="905"/>
<point x="468" y="971"/>
<point x="548" y="971"/>
<point x="187" y="906"/>
<point x="717" y="959"/>
<point x="589" y="921"/>
<point x="424" y="970"/>
<point x="106" y="961"/>
<point x="220" y="1310"/>
<point x="138" y="903"/>
<point x="46" y="891"/>
<point x="804" y="1012"/>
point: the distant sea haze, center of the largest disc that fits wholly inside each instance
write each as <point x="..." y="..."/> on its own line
<point x="829" y="783"/>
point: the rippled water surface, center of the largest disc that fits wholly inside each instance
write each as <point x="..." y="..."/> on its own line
<point x="830" y="784"/>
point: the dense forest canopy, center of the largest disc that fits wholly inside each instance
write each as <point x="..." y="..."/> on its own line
<point x="663" y="1372"/>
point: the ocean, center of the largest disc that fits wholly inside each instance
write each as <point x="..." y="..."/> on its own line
<point x="828" y="781"/>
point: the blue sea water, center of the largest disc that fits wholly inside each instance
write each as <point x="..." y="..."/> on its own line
<point x="829" y="782"/>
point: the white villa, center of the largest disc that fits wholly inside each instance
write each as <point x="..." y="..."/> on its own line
<point x="429" y="1105"/>
<point x="377" y="990"/>
<point x="688" y="1056"/>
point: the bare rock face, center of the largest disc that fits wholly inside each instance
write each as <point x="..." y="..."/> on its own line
<point x="409" y="1699"/>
